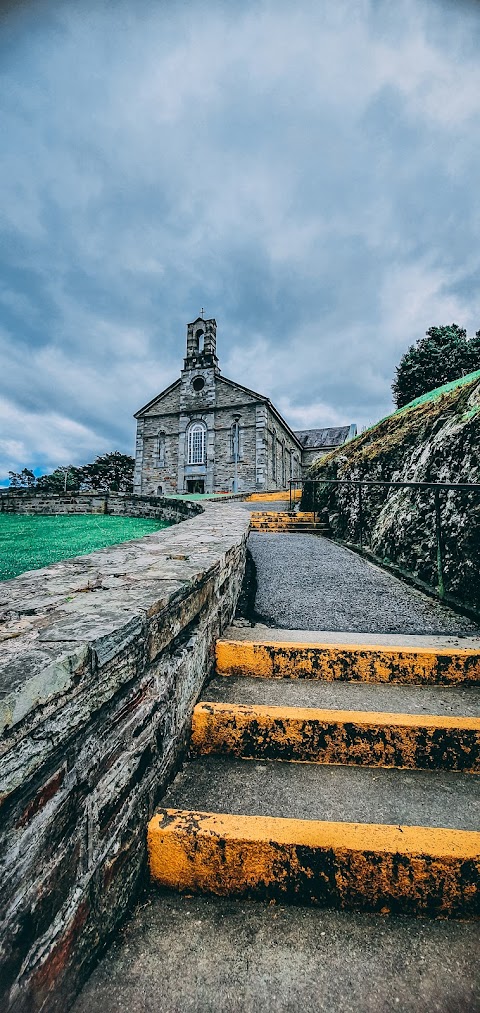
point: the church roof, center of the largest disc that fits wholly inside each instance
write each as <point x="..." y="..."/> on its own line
<point x="332" y="436"/>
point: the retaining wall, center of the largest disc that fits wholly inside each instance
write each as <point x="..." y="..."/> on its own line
<point x="102" y="660"/>
<point x="435" y="439"/>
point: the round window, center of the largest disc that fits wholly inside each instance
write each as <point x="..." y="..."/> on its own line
<point x="198" y="383"/>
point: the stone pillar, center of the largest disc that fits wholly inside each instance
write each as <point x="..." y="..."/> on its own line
<point x="182" y="450"/>
<point x="137" y="476"/>
<point x="209" y="420"/>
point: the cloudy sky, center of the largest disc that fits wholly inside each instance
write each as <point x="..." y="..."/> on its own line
<point x="308" y="173"/>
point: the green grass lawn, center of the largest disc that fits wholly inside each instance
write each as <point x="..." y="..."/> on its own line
<point x="29" y="542"/>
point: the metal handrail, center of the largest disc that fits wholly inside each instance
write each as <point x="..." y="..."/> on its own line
<point x="437" y="488"/>
<point x="364" y="481"/>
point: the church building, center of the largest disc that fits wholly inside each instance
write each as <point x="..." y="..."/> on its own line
<point x="206" y="433"/>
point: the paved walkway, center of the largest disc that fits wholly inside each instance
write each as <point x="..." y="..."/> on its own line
<point x="306" y="582"/>
<point x="184" y="954"/>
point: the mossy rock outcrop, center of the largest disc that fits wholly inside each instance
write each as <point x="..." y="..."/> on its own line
<point x="435" y="438"/>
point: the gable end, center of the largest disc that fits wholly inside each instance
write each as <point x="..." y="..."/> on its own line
<point x="158" y="399"/>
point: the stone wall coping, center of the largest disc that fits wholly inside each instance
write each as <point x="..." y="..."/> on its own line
<point x="64" y="621"/>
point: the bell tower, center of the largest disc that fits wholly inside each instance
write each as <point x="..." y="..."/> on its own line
<point x="201" y="345"/>
<point x="196" y="460"/>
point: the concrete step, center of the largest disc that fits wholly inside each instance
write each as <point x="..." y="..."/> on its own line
<point x="305" y="514"/>
<point x="447" y="701"/>
<point x="383" y="840"/>
<point x="390" y="726"/>
<point x="279" y="519"/>
<point x="327" y="656"/>
<point x="291" y="522"/>
<point x="291" y="526"/>
<point x="287" y="520"/>
<point x="283" y="496"/>
<point x="282" y="526"/>
<point x="306" y="529"/>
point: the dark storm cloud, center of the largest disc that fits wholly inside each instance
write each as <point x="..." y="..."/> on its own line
<point x="308" y="174"/>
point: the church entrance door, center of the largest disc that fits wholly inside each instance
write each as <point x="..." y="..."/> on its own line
<point x="195" y="485"/>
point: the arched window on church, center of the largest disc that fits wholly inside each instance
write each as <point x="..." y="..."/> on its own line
<point x="196" y="443"/>
<point x="235" y="450"/>
<point x="200" y="336"/>
<point x="161" y="450"/>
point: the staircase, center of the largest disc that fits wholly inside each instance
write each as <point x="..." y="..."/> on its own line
<point x="331" y="769"/>
<point x="283" y="520"/>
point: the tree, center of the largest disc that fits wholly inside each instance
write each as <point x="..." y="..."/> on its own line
<point x="444" y="354"/>
<point x="112" y="472"/>
<point x="24" y="479"/>
<point x="28" y="478"/>
<point x="15" y="480"/>
<point x="64" y="479"/>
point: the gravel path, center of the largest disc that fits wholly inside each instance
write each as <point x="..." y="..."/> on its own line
<point x="307" y="582"/>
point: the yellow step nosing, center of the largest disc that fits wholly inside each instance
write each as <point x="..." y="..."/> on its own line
<point x="321" y="736"/>
<point x="379" y="867"/>
<point x="337" y="716"/>
<point x="371" y="837"/>
<point x="327" y="661"/>
<point x="300" y="647"/>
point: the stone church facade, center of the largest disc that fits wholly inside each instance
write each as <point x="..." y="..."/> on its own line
<point x="206" y="433"/>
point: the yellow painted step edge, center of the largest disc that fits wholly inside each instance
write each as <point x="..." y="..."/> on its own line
<point x="370" y="738"/>
<point x="374" y="866"/>
<point x="267" y="713"/>
<point x="259" y="497"/>
<point x="359" y="662"/>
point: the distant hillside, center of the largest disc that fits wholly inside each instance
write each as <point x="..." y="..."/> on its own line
<point x="435" y="438"/>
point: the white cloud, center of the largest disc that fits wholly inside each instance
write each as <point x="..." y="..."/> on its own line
<point x="418" y="295"/>
<point x="29" y="436"/>
<point x="307" y="172"/>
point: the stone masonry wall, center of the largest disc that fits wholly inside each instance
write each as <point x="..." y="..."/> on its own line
<point x="160" y="508"/>
<point x="283" y="455"/>
<point x="103" y="658"/>
<point x="224" y="464"/>
<point x="159" y="456"/>
<point x="156" y="466"/>
<point x="162" y="417"/>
